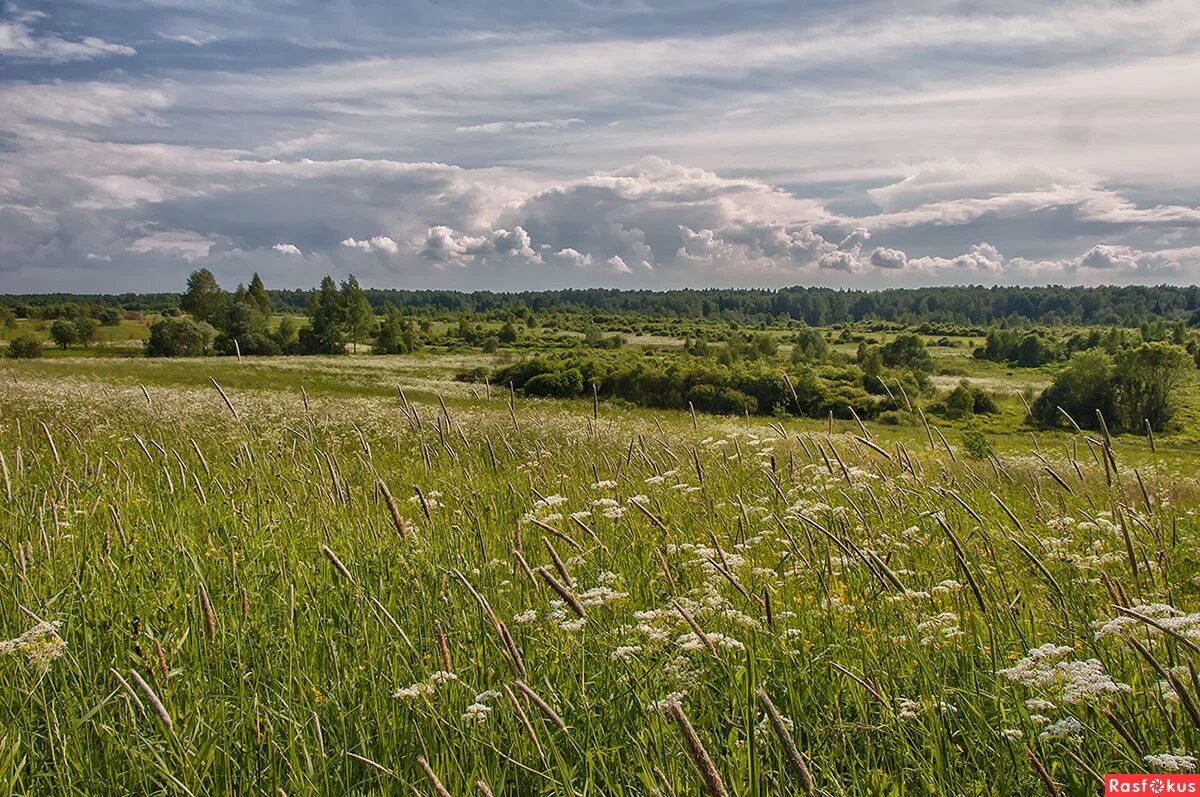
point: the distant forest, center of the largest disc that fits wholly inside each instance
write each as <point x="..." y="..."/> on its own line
<point x="816" y="306"/>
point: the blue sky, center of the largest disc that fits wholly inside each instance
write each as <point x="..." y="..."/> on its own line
<point x="597" y="142"/>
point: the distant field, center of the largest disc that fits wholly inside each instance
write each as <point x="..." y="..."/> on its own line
<point x="202" y="603"/>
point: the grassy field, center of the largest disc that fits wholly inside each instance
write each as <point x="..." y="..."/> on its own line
<point x="356" y="575"/>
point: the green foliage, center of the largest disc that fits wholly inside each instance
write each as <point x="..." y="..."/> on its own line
<point x="809" y="346"/>
<point x="976" y="442"/>
<point x="1140" y="385"/>
<point x="179" y="337"/>
<point x="397" y="335"/>
<point x="245" y="330"/>
<point x="203" y="297"/>
<point x="258" y="295"/>
<point x="672" y="381"/>
<point x="357" y="318"/>
<point x="64" y="333"/>
<point x="556" y="384"/>
<point x="252" y="576"/>
<point x="966" y="400"/>
<point x="907" y="351"/>
<point x="85" y="330"/>
<point x="1147" y="381"/>
<point x="24" y="347"/>
<point x="325" y="333"/>
<point x="1081" y="388"/>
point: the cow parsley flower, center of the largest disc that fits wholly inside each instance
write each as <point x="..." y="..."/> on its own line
<point x="1167" y="762"/>
<point x="1067" y="728"/>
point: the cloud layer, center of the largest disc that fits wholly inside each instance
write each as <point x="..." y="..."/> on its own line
<point x="653" y="145"/>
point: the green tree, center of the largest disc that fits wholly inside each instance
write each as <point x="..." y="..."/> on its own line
<point x="285" y="333"/>
<point x="396" y="335"/>
<point x="245" y="328"/>
<point x="508" y="332"/>
<point x="258" y="294"/>
<point x="63" y="333"/>
<point x="325" y="333"/>
<point x="907" y="351"/>
<point x="179" y="337"/>
<point x="960" y="402"/>
<point x="809" y="346"/>
<point x="357" y="315"/>
<point x="1082" y="387"/>
<point x="203" y="298"/>
<point x="85" y="330"/>
<point x="1033" y="351"/>
<point x="1147" y="380"/>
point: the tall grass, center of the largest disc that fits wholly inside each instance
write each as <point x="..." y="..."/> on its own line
<point x="323" y="595"/>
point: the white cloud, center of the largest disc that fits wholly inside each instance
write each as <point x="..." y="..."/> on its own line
<point x="617" y="265"/>
<point x="184" y="38"/>
<point x="886" y="258"/>
<point x="186" y="244"/>
<point x="443" y="245"/>
<point x="575" y="258"/>
<point x="20" y="42"/>
<point x="287" y="249"/>
<point x="509" y="127"/>
<point x="377" y="243"/>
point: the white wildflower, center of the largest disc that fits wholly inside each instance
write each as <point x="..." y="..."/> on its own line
<point x="1167" y="762"/>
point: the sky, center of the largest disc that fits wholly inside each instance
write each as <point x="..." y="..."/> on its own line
<point x="515" y="144"/>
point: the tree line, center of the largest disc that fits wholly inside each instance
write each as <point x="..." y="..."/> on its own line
<point x="816" y="306"/>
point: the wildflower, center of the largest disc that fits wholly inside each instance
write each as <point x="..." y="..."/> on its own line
<point x="526" y="616"/>
<point x="1167" y="762"/>
<point x="607" y="484"/>
<point x="476" y="713"/>
<point x="625" y="652"/>
<point x="425" y="687"/>
<point x="1071" y="681"/>
<point x="671" y="700"/>
<point x="1067" y="728"/>
<point x="1012" y="733"/>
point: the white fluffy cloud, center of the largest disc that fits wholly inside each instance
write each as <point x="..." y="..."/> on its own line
<point x="442" y="245"/>
<point x="377" y="243"/>
<point x="287" y="249"/>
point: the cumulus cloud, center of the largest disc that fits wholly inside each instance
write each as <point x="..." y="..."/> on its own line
<point x="21" y="42"/>
<point x="443" y="245"/>
<point x="378" y="243"/>
<point x="886" y="258"/>
<point x="575" y="258"/>
<point x="288" y="249"/>
<point x="617" y="265"/>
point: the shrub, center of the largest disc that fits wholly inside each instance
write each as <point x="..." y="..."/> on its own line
<point x="976" y="443"/>
<point x="558" y="384"/>
<point x="179" y="337"/>
<point x="25" y="347"/>
<point x="1082" y="387"/>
